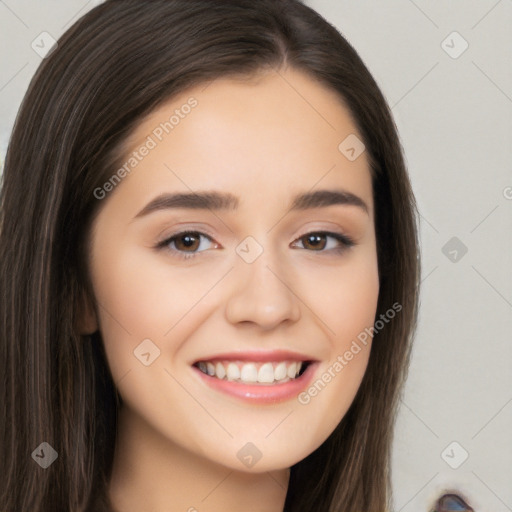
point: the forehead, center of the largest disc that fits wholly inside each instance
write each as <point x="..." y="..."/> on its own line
<point x="274" y="131"/>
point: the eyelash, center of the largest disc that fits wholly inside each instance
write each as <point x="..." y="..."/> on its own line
<point x="346" y="242"/>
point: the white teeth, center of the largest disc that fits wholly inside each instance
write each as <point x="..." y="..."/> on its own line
<point x="248" y="373"/>
<point x="219" y="371"/>
<point x="263" y="373"/>
<point x="210" y="369"/>
<point x="233" y="372"/>
<point x="266" y="373"/>
<point x="292" y="370"/>
<point x="280" y="371"/>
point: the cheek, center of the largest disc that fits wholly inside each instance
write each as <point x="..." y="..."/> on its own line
<point x="129" y="303"/>
<point x="140" y="294"/>
<point x="345" y="297"/>
<point x="346" y="304"/>
<point x="353" y="305"/>
<point x="140" y="298"/>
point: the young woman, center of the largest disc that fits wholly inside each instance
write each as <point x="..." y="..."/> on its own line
<point x="208" y="267"/>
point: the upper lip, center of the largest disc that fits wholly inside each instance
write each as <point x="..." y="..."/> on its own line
<point x="258" y="356"/>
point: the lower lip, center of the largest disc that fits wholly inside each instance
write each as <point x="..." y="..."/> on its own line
<point x="260" y="393"/>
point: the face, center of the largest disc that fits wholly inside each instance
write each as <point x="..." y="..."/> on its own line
<point x="235" y="320"/>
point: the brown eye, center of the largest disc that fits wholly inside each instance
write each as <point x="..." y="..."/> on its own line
<point x="318" y="241"/>
<point x="186" y="241"/>
<point x="185" y="244"/>
<point x="314" y="241"/>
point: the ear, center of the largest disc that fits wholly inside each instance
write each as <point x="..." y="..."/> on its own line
<point x="86" y="318"/>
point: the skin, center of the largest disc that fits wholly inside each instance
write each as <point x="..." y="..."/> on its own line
<point x="264" y="142"/>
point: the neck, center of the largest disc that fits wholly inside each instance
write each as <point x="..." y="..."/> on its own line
<point x="150" y="472"/>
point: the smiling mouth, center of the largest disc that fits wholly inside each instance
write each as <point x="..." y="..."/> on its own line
<point x="263" y="373"/>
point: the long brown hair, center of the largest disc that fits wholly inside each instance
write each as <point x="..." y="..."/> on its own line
<point x="110" y="69"/>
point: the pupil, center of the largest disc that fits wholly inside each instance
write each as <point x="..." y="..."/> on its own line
<point x="314" y="240"/>
<point x="188" y="240"/>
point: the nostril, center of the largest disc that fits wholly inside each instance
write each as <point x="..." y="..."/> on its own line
<point x="451" y="503"/>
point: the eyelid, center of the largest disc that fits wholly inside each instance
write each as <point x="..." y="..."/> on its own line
<point x="167" y="239"/>
<point x="345" y="240"/>
<point x="163" y="239"/>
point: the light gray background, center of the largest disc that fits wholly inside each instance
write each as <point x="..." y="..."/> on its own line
<point x="454" y="116"/>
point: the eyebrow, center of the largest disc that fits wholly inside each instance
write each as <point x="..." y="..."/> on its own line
<point x="228" y="202"/>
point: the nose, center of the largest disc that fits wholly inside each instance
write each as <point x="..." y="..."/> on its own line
<point x="263" y="294"/>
